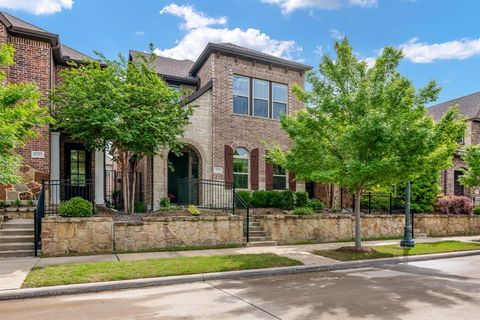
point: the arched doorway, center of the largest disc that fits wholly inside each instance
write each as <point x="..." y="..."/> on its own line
<point x="186" y="165"/>
<point x="458" y="188"/>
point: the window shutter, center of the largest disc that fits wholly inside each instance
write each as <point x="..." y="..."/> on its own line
<point x="228" y="166"/>
<point x="292" y="184"/>
<point x="268" y="175"/>
<point x="254" y="169"/>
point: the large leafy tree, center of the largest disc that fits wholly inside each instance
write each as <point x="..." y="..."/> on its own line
<point x="123" y="107"/>
<point x="20" y="115"/>
<point x="365" y="126"/>
<point x="471" y="156"/>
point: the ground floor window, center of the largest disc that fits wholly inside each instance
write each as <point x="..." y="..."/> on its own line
<point x="240" y="168"/>
<point x="279" y="178"/>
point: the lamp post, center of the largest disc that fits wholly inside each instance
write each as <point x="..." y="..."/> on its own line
<point x="407" y="241"/>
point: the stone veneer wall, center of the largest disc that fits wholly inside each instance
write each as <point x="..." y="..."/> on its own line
<point x="102" y="235"/>
<point x="337" y="227"/>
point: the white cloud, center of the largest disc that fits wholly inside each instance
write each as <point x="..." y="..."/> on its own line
<point x="37" y="7"/>
<point x="427" y="53"/>
<point x="289" y="6"/>
<point x="337" y="35"/>
<point x="370" y="61"/>
<point x="139" y="33"/>
<point x="192" y="19"/>
<point x="202" y="31"/>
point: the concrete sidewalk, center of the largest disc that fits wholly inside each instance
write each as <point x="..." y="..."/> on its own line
<point x="14" y="270"/>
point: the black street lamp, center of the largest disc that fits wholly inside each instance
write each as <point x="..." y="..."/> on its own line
<point x="407" y="241"/>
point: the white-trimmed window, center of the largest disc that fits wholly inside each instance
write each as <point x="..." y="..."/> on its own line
<point x="279" y="99"/>
<point x="241" y="94"/>
<point x="261" y="92"/>
<point x="279" y="178"/>
<point x="240" y="168"/>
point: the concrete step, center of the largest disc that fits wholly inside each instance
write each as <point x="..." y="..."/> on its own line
<point x="257" y="233"/>
<point x="10" y="225"/>
<point x="255" y="228"/>
<point x="17" y="253"/>
<point x="15" y="239"/>
<point x="259" y="238"/>
<point x="261" y="243"/>
<point x="16" y="246"/>
<point x="16" y="232"/>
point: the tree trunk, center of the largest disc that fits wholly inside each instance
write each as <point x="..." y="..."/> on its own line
<point x="358" y="228"/>
<point x="132" y="192"/>
<point x="125" y="189"/>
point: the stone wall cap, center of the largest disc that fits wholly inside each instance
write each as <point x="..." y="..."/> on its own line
<point x="59" y="219"/>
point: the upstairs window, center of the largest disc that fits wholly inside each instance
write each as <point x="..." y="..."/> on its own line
<point x="241" y="94"/>
<point x="240" y="168"/>
<point x="261" y="94"/>
<point x="279" y="178"/>
<point x="279" y="100"/>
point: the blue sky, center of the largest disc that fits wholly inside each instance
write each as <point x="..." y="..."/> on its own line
<point x="440" y="38"/>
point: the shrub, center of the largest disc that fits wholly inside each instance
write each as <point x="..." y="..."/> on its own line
<point x="275" y="199"/>
<point x="287" y="201"/>
<point x="2" y="204"/>
<point x="303" y="211"/>
<point x="315" y="204"/>
<point x="165" y="202"/>
<point x="260" y="199"/>
<point x="76" y="207"/>
<point x="139" y="207"/>
<point x="245" y="195"/>
<point x="476" y="210"/>
<point x="193" y="210"/>
<point x="17" y="203"/>
<point x="30" y="203"/>
<point x="301" y="199"/>
<point x="454" y="205"/>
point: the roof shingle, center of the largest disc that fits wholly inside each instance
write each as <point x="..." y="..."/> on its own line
<point x="469" y="106"/>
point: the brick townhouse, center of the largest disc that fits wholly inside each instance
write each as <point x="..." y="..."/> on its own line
<point x="239" y="93"/>
<point x="39" y="57"/>
<point x="469" y="107"/>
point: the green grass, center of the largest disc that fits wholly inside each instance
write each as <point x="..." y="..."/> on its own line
<point x="395" y="251"/>
<point x="123" y="270"/>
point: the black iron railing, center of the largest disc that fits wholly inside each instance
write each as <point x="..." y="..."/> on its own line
<point x="380" y="203"/>
<point x="39" y="213"/>
<point x="242" y="208"/>
<point x="57" y="191"/>
<point x="207" y="194"/>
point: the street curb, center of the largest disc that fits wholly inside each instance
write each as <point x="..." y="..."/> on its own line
<point x="229" y="275"/>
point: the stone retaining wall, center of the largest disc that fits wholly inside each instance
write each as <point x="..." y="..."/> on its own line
<point x="340" y="227"/>
<point x="102" y="235"/>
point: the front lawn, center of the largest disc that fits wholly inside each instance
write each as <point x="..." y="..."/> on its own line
<point x="123" y="270"/>
<point x="394" y="250"/>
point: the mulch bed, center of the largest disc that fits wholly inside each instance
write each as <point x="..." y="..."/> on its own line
<point x="351" y="249"/>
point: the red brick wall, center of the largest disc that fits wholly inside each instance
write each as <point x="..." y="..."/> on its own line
<point x="241" y="130"/>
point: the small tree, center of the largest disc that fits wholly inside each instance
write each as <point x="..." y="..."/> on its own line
<point x="424" y="190"/>
<point x="365" y="127"/>
<point x="20" y="114"/>
<point x="124" y="105"/>
<point x="471" y="156"/>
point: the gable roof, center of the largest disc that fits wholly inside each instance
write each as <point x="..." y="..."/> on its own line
<point x="170" y="69"/>
<point x="469" y="106"/>
<point x="235" y="50"/>
<point x="61" y="53"/>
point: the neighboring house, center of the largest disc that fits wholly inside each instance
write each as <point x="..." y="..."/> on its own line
<point x="469" y="107"/>
<point x="240" y="94"/>
<point x="39" y="57"/>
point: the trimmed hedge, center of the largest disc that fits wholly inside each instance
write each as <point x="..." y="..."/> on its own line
<point x="76" y="207"/>
<point x="303" y="211"/>
<point x="301" y="199"/>
<point x="454" y="205"/>
<point x="315" y="204"/>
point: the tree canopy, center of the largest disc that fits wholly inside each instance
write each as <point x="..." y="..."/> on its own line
<point x="20" y="114"/>
<point x="365" y="126"/>
<point x="471" y="156"/>
<point x="120" y="106"/>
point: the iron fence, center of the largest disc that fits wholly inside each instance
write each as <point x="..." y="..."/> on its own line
<point x="207" y="194"/>
<point x="56" y="191"/>
<point x="380" y="203"/>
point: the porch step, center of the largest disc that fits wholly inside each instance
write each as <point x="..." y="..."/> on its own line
<point x="259" y="238"/>
<point x="260" y="233"/>
<point x="256" y="228"/>
<point x="9" y="246"/>
<point x="17" y="253"/>
<point x="16" y="231"/>
<point x="16" y="239"/>
<point x="262" y="243"/>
